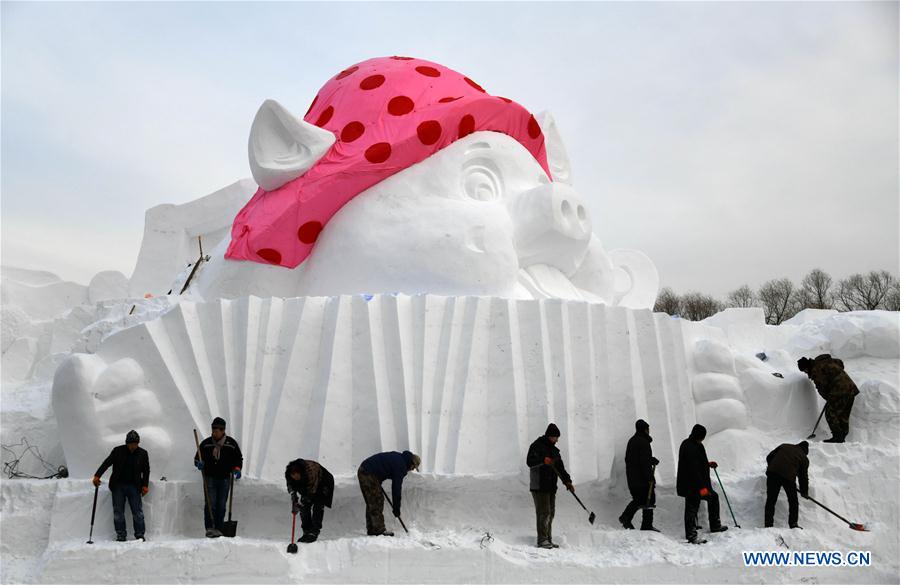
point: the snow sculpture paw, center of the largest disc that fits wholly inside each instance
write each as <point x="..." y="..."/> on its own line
<point x="99" y="404"/>
<point x="717" y="394"/>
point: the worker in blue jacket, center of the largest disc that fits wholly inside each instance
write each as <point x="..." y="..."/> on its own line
<point x="374" y="470"/>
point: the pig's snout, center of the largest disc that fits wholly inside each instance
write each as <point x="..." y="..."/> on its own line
<point x="552" y="226"/>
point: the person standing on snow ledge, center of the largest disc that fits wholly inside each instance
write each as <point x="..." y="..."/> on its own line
<point x="694" y="484"/>
<point x="220" y="456"/>
<point x="312" y="488"/>
<point x="786" y="463"/>
<point x="836" y="387"/>
<point x="374" y="470"/>
<point x="130" y="480"/>
<point x="639" y="464"/>
<point x="546" y="466"/>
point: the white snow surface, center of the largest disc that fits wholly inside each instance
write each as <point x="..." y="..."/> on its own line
<point x="44" y="523"/>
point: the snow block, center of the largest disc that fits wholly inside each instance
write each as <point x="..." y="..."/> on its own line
<point x="715" y="386"/>
<point x="721" y="414"/>
<point x="713" y="356"/>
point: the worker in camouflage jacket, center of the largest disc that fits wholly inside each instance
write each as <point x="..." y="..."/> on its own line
<point x="838" y="390"/>
<point x="785" y="464"/>
<point x="312" y="489"/>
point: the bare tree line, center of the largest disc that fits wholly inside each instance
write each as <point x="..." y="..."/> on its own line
<point x="781" y="298"/>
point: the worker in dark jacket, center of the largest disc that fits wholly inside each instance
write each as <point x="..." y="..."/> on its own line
<point x="130" y="480"/>
<point x="836" y="388"/>
<point x="694" y="484"/>
<point x="545" y="467"/>
<point x="312" y="488"/>
<point x="374" y="470"/>
<point x="786" y="463"/>
<point x="220" y="460"/>
<point x="639" y="466"/>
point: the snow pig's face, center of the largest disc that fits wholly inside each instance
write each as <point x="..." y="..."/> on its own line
<point x="463" y="221"/>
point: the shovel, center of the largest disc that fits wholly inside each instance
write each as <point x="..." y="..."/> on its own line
<point x="229" y="528"/>
<point x="292" y="548"/>
<point x="650" y="506"/>
<point x="591" y="515"/>
<point x="93" y="512"/>
<point x="813" y="433"/>
<point x="853" y="525"/>
<point x="391" y="504"/>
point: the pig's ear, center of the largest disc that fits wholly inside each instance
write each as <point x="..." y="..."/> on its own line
<point x="556" y="150"/>
<point x="282" y="147"/>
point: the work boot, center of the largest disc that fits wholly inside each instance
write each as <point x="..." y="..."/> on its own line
<point x="142" y="538"/>
<point x="545" y="544"/>
<point x="553" y="544"/>
<point x="834" y="439"/>
<point x="385" y="533"/>
<point x="796" y="526"/>
<point x="308" y="537"/>
<point x="651" y="527"/>
<point x="213" y="533"/>
<point x="719" y="529"/>
<point x="626" y="523"/>
<point x="696" y="540"/>
<point x="120" y="538"/>
<point x="769" y="525"/>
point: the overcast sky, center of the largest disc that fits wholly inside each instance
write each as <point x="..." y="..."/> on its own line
<point x="731" y="142"/>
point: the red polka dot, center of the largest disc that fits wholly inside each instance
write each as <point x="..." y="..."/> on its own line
<point x="534" y="129"/>
<point x="378" y="152"/>
<point x="428" y="71"/>
<point x="371" y="82"/>
<point x="311" y="106"/>
<point x="309" y="231"/>
<point x="429" y="132"/>
<point x="352" y="131"/>
<point x="507" y="100"/>
<point x="447" y="100"/>
<point x="473" y="84"/>
<point x="325" y="116"/>
<point x="269" y="255"/>
<point x="466" y="125"/>
<point x="397" y="58"/>
<point x="346" y="72"/>
<point x="400" y="105"/>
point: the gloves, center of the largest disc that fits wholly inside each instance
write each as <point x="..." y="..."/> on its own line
<point x="295" y="506"/>
<point x="704" y="492"/>
<point x="654" y="461"/>
<point x="236" y="472"/>
<point x="713" y="464"/>
<point x="548" y="460"/>
<point x="198" y="464"/>
<point x="145" y="490"/>
<point x="96" y="481"/>
<point x="570" y="487"/>
<point x="396" y="512"/>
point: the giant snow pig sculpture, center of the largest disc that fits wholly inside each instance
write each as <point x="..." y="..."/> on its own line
<point x="403" y="177"/>
<point x="406" y="176"/>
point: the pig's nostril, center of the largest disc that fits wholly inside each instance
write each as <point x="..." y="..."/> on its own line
<point x="566" y="209"/>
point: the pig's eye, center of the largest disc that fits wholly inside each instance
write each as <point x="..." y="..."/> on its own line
<point x="481" y="182"/>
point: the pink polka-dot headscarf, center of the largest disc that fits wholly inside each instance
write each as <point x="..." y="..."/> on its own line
<point x="387" y="114"/>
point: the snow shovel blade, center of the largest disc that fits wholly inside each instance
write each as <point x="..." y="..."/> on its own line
<point x="292" y="548"/>
<point x="229" y="528"/>
<point x="592" y="517"/>
<point x="859" y="527"/>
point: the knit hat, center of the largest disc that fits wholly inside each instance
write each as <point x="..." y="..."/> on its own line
<point x="641" y="425"/>
<point x="552" y="431"/>
<point x="698" y="433"/>
<point x="132" y="437"/>
<point x="805" y="446"/>
<point x="387" y="114"/>
<point x="218" y="423"/>
<point x="803" y="364"/>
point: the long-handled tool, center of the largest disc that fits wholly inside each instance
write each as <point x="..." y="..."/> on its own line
<point x="203" y="477"/>
<point x="649" y="505"/>
<point x="391" y="504"/>
<point x="292" y="548"/>
<point x="813" y="433"/>
<point x="229" y="528"/>
<point x="853" y="525"/>
<point x="93" y="513"/>
<point x="591" y="515"/>
<point x="736" y="525"/>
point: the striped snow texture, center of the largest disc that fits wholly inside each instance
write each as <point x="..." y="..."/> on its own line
<point x="467" y="382"/>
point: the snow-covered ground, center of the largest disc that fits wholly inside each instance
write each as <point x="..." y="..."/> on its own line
<point x="470" y="528"/>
